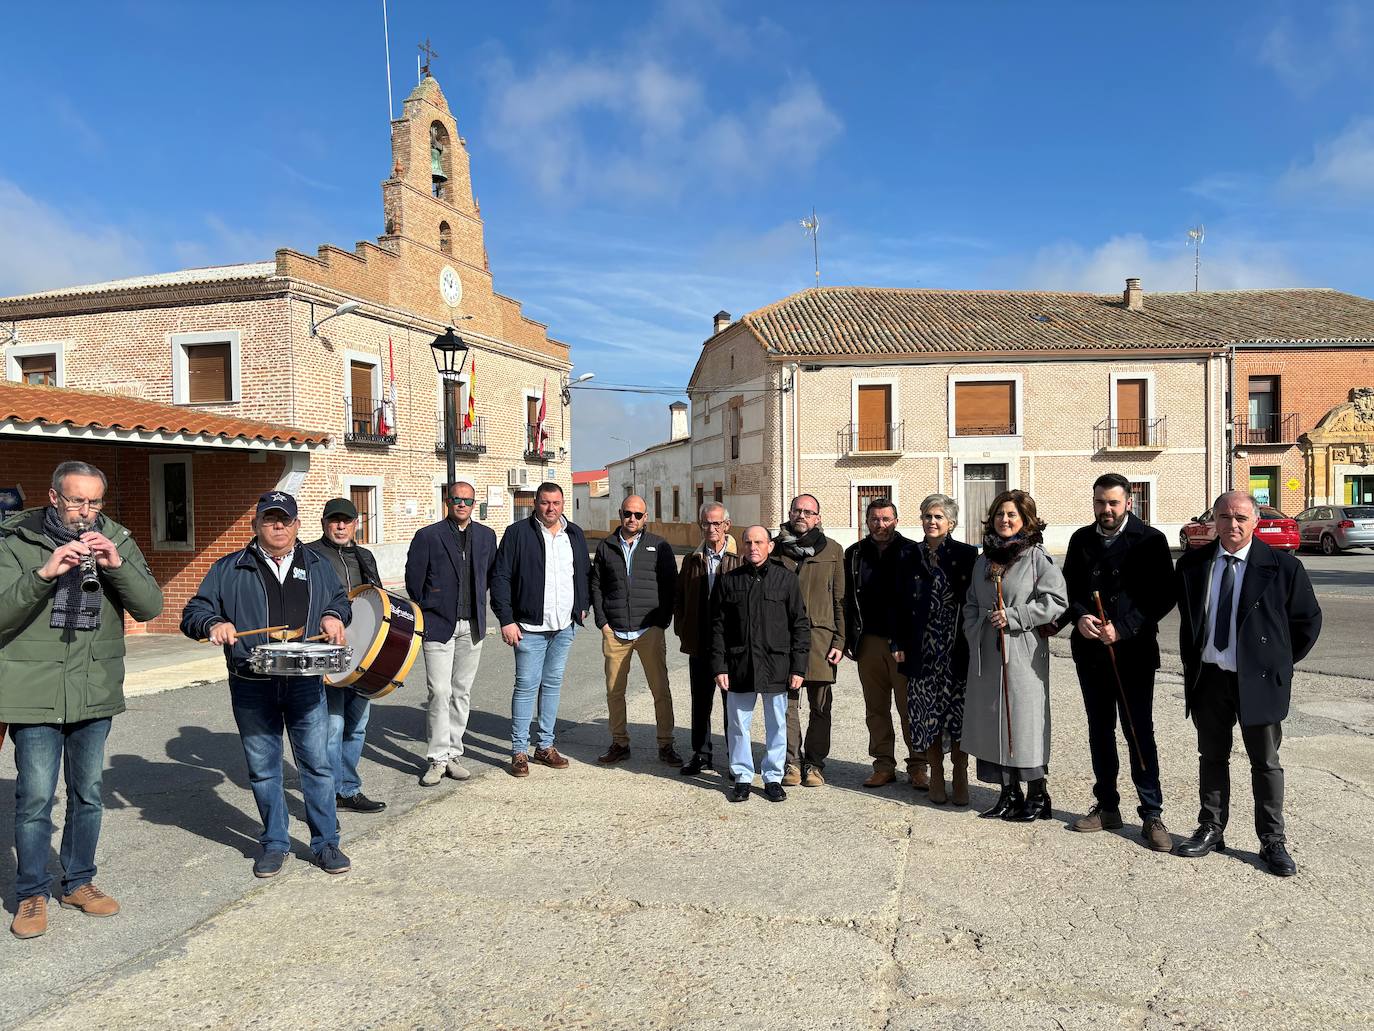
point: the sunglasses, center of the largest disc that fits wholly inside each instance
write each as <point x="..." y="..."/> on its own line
<point x="632" y="515"/>
<point x="466" y="502"/>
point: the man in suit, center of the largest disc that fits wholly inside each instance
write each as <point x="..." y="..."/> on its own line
<point x="1128" y="566"/>
<point x="447" y="569"/>
<point x="632" y="580"/>
<point x="1247" y="613"/>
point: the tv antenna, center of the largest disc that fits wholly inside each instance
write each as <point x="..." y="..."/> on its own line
<point x="1197" y="235"/>
<point x="812" y="227"/>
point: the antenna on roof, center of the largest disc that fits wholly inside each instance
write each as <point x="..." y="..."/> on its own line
<point x="1195" y="233"/>
<point x="812" y="227"/>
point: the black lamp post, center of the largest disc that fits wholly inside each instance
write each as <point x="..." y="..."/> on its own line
<point x="449" y="352"/>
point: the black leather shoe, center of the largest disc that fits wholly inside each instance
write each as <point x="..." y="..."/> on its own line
<point x="774" y="792"/>
<point x="1205" y="839"/>
<point x="358" y="803"/>
<point x="699" y="761"/>
<point x="740" y="792"/>
<point x="1009" y="799"/>
<point x="1278" y="860"/>
<point x="1037" y="806"/>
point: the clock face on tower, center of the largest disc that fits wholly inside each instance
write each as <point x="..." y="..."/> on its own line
<point x="450" y="286"/>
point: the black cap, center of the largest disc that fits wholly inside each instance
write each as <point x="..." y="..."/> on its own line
<point x="340" y="506"/>
<point x="276" y="500"/>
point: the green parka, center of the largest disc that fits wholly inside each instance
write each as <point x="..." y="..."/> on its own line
<point x="64" y="676"/>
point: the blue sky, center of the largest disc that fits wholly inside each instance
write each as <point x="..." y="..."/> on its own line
<point x="643" y="165"/>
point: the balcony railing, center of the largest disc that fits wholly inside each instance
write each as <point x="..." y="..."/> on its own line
<point x="871" y="438"/>
<point x="1129" y="433"/>
<point x="469" y="441"/>
<point x="1273" y="428"/>
<point x="533" y="451"/>
<point x="1006" y="429"/>
<point x="364" y="423"/>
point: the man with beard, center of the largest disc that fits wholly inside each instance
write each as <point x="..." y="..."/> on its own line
<point x="818" y="561"/>
<point x="874" y="594"/>
<point x="1128" y="566"/>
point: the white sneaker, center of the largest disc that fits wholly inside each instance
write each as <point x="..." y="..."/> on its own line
<point x="432" y="775"/>
<point x="456" y="770"/>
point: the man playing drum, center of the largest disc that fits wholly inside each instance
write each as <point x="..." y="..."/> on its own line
<point x="274" y="581"/>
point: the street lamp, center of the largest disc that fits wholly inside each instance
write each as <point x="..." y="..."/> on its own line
<point x="449" y="351"/>
<point x="343" y="309"/>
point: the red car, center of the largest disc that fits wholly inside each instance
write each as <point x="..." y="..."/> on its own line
<point x="1273" y="527"/>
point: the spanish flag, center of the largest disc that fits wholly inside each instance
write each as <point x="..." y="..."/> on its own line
<point x="470" y="416"/>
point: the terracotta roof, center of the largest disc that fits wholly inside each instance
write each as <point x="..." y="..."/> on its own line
<point x="184" y="277"/>
<point x="589" y="476"/>
<point x="84" y="409"/>
<point x="871" y="320"/>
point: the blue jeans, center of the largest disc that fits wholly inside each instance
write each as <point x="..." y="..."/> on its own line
<point x="539" y="661"/>
<point x="262" y="709"/>
<point x="38" y="750"/>
<point x="739" y="718"/>
<point x="348" y="713"/>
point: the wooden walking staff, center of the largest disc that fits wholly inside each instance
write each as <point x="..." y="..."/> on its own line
<point x="1002" y="644"/>
<point x="1120" y="688"/>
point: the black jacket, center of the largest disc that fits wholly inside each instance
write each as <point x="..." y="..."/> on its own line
<point x="862" y="588"/>
<point x="517" y="578"/>
<point x="1135" y="578"/>
<point x="760" y="634"/>
<point x="433" y="578"/>
<point x="1277" y="623"/>
<point x="957" y="559"/>
<point x="643" y="599"/>
<point x="331" y="552"/>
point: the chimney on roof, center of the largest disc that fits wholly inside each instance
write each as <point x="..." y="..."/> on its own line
<point x="1133" y="295"/>
<point x="722" y="320"/>
<point x="677" y="421"/>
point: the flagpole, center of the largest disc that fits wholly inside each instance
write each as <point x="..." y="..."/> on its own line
<point x="386" y="36"/>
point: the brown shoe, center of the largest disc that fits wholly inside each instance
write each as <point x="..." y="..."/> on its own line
<point x="919" y="777"/>
<point x="668" y="756"/>
<point x="549" y="757"/>
<point x="791" y="776"/>
<point x="1157" y="835"/>
<point x="958" y="778"/>
<point x="880" y="778"/>
<point x="615" y="754"/>
<point x="91" y="901"/>
<point x="1100" y="819"/>
<point x="519" y="765"/>
<point x="31" y="919"/>
<point x="811" y="778"/>
<point x="937" y="775"/>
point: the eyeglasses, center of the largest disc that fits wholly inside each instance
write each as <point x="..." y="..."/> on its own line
<point x="275" y="520"/>
<point x="72" y="504"/>
<point x="713" y="523"/>
<point x="466" y="502"/>
<point x="804" y="512"/>
<point x="632" y="515"/>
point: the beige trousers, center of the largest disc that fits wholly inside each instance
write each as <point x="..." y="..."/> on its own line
<point x="652" y="649"/>
<point x="883" y="686"/>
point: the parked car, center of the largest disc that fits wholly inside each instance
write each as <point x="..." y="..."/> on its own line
<point x="1273" y="527"/>
<point x="1333" y="528"/>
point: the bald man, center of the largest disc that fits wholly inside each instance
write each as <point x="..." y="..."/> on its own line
<point x="633" y="580"/>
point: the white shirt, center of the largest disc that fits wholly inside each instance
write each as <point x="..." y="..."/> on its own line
<point x="281" y="566"/>
<point x="1226" y="659"/>
<point x="558" y="580"/>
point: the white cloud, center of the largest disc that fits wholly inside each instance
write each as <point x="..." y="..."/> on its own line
<point x="1306" y="57"/>
<point x="1341" y="168"/>
<point x="44" y="248"/>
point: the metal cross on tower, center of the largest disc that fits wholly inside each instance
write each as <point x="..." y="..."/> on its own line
<point x="429" y="55"/>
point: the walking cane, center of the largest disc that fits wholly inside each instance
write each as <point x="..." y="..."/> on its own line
<point x="1002" y="642"/>
<point x="3" y="727"/>
<point x="1120" y="688"/>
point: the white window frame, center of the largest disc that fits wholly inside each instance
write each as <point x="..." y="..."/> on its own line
<point x="1149" y="378"/>
<point x="181" y="386"/>
<point x="1151" y="480"/>
<point x="988" y="443"/>
<point x="362" y="358"/>
<point x="894" y="387"/>
<point x="157" y="500"/>
<point x="12" y="355"/>
<point x="375" y="483"/>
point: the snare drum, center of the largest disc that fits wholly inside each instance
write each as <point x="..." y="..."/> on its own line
<point x="299" y="659"/>
<point x="385" y="636"/>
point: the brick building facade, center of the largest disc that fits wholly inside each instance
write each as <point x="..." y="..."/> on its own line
<point x="261" y="341"/>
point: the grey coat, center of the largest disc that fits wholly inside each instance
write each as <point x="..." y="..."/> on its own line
<point x="1029" y="604"/>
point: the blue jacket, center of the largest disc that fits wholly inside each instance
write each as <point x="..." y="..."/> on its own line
<point x="232" y="592"/>
<point x="517" y="579"/>
<point x="432" y="577"/>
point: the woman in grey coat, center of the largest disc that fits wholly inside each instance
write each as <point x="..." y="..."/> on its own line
<point x="1011" y="738"/>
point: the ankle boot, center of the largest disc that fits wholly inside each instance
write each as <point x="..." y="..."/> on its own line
<point x="1008" y="801"/>
<point x="958" y="761"/>
<point x="1035" y="807"/>
<point x="937" y="774"/>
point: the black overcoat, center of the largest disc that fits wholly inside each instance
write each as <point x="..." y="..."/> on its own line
<point x="760" y="633"/>
<point x="957" y="559"/>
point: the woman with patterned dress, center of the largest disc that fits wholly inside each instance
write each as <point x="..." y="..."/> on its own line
<point x="934" y="653"/>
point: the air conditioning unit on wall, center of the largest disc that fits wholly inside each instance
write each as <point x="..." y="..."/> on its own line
<point x="519" y="476"/>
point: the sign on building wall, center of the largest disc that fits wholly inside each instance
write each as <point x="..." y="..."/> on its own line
<point x="496" y="496"/>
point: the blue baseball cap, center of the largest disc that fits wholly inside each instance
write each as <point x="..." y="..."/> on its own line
<point x="275" y="500"/>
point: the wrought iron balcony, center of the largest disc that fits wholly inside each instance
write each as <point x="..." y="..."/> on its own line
<point x="1261" y="430"/>
<point x="364" y="422"/>
<point x="471" y="440"/>
<point x="872" y="439"/>
<point x="1127" y="434"/>
<point x="534" y="451"/>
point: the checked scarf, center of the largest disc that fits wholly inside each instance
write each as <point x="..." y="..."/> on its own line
<point x="71" y="606"/>
<point x="799" y="548"/>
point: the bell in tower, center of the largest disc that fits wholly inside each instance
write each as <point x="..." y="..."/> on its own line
<point x="438" y="140"/>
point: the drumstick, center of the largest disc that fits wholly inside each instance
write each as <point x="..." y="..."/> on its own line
<point x="250" y="633"/>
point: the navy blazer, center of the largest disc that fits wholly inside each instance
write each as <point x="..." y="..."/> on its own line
<point x="1277" y="623"/>
<point x="517" y="581"/>
<point x="432" y="576"/>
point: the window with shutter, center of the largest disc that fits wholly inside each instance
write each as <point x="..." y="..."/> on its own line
<point x="208" y="378"/>
<point x="1130" y="412"/>
<point x="38" y="369"/>
<point x="362" y="498"/>
<point x="985" y="409"/>
<point x="875" y="418"/>
<point x="362" y="404"/>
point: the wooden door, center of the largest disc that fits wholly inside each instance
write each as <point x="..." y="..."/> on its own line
<point x="361" y="402"/>
<point x="875" y="418"/>
<point x="1130" y="413"/>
